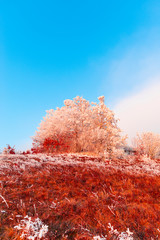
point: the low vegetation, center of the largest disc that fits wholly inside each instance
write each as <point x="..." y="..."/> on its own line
<point x="72" y="196"/>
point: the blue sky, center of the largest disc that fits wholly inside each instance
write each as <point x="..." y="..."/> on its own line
<point x="55" y="50"/>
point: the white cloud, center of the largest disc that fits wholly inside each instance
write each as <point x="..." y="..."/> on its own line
<point x="130" y="65"/>
<point x="140" y="112"/>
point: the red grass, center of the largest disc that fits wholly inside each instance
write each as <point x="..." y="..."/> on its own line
<point x="78" y="202"/>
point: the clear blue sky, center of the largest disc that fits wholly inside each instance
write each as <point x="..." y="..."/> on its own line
<point x="55" y="50"/>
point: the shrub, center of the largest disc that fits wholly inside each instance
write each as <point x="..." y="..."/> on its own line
<point x="9" y="150"/>
<point x="148" y="143"/>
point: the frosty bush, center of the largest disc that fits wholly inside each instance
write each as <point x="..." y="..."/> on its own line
<point x="115" y="234"/>
<point x="9" y="150"/>
<point x="121" y="236"/>
<point x="32" y="229"/>
<point x="79" y="127"/>
<point x="148" y="143"/>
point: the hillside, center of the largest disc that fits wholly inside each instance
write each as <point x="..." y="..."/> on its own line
<point x="71" y="196"/>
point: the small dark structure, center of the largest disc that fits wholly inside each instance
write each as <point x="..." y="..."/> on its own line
<point x="129" y="150"/>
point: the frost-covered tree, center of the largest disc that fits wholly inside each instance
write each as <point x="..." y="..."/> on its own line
<point x="148" y="143"/>
<point x="79" y="126"/>
<point x="106" y="133"/>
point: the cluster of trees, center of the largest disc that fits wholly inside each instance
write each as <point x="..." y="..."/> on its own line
<point x="148" y="143"/>
<point x="79" y="126"/>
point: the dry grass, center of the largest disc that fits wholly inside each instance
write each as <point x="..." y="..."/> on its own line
<point x="78" y="201"/>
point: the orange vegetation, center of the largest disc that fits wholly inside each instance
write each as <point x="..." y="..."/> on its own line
<point x="78" y="201"/>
